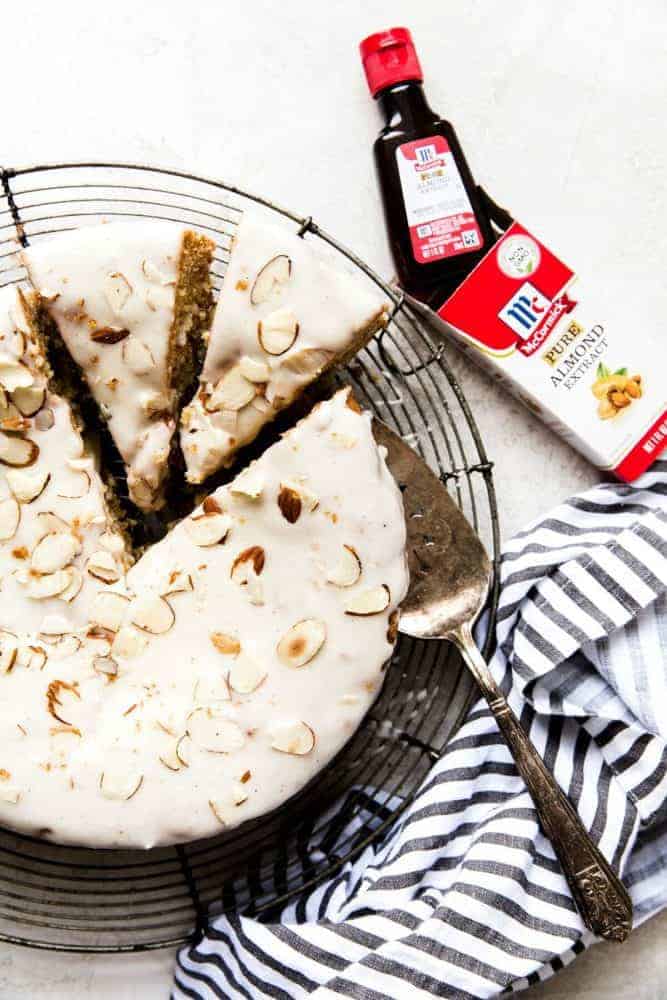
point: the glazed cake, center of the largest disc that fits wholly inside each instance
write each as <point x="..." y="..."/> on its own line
<point x="285" y="316"/>
<point x="130" y="302"/>
<point x="228" y="666"/>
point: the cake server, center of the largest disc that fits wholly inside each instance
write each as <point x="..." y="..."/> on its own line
<point x="450" y="574"/>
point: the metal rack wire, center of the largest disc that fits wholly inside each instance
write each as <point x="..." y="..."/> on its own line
<point x="76" y="899"/>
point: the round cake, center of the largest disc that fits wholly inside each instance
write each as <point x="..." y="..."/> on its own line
<point x="157" y="695"/>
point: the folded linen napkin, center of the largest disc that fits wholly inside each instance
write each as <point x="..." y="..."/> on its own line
<point x="464" y="897"/>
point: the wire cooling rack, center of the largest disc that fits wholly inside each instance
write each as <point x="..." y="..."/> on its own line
<point x="76" y="899"/>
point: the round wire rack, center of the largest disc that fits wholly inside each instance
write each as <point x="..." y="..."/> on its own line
<point x="77" y="899"/>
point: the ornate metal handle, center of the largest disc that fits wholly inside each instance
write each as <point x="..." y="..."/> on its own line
<point x="599" y="894"/>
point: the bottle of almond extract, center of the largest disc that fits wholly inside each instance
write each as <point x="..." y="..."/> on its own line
<point x="436" y="220"/>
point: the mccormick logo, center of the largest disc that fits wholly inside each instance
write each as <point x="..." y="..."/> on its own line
<point x="525" y="310"/>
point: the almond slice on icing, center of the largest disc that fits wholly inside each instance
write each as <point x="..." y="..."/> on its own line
<point x="50" y="585"/>
<point x="9" y="648"/>
<point x="296" y="738"/>
<point x="309" y="500"/>
<point x="54" y="552"/>
<point x="302" y="642"/>
<point x="253" y="370"/>
<point x="109" y="335"/>
<point x="9" y="793"/>
<point x="102" y="566"/>
<point x="120" y="784"/>
<point x="29" y="399"/>
<point x="347" y="570"/>
<point x="128" y="642"/>
<point x="213" y="731"/>
<point x="45" y="419"/>
<point x="232" y="392"/>
<point x="369" y="602"/>
<point x="170" y="758"/>
<point x="246" y="570"/>
<point x="32" y="657"/>
<point x="109" y="609"/>
<point x="249" y="483"/>
<point x="10" y="516"/>
<point x="178" y="582"/>
<point x="13" y="374"/>
<point x="48" y="523"/>
<point x="17" y="451"/>
<point x="208" y="529"/>
<point x="73" y="589"/>
<point x="209" y="690"/>
<point x="117" y="291"/>
<point x="105" y="665"/>
<point x="137" y="356"/>
<point x="27" y="485"/>
<point x="270" y="279"/>
<point x="226" y="644"/>
<point x="184" y="749"/>
<point x="245" y="675"/>
<point x="289" y="503"/>
<point x="151" y="613"/>
<point x="277" y="331"/>
<point x="76" y="489"/>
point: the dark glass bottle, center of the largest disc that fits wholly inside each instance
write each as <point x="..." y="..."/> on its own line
<point x="437" y="222"/>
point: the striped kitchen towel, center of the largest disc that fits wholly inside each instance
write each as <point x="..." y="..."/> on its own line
<point x="464" y="897"/>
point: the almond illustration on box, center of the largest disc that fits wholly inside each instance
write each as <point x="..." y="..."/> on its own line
<point x="615" y="390"/>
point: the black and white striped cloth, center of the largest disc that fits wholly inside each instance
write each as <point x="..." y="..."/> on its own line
<point x="464" y="896"/>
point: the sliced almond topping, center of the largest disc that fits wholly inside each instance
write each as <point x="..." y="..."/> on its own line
<point x="289" y="502"/>
<point x="137" y="356"/>
<point x="74" y="589"/>
<point x="120" y="784"/>
<point x="295" y="738"/>
<point x="250" y="561"/>
<point x="347" y="570"/>
<point x="109" y="335"/>
<point x="55" y="692"/>
<point x="53" y="628"/>
<point x="50" y="585"/>
<point x="226" y="644"/>
<point x="184" y="750"/>
<point x="29" y="399"/>
<point x="128" y="643"/>
<point x="310" y="361"/>
<point x="153" y="614"/>
<point x="45" y="420"/>
<point x="369" y="602"/>
<point x="169" y="757"/>
<point x="10" y="516"/>
<point x="77" y="488"/>
<point x="27" y="485"/>
<point x="209" y="690"/>
<point x="208" y="529"/>
<point x="32" y="657"/>
<point x="249" y="483"/>
<point x="105" y="665"/>
<point x="109" y="609"/>
<point x="254" y="371"/>
<point x="54" y="552"/>
<point x="117" y="290"/>
<point x="48" y="522"/>
<point x="246" y="675"/>
<point x="239" y="794"/>
<point x="178" y="582"/>
<point x="17" y="451"/>
<point x="213" y="731"/>
<point x="9" y="648"/>
<point x="232" y="392"/>
<point x="302" y="642"/>
<point x="270" y="279"/>
<point x="13" y="374"/>
<point x="308" y="499"/>
<point x="102" y="566"/>
<point x="277" y="331"/>
<point x="9" y="793"/>
<point x="217" y="808"/>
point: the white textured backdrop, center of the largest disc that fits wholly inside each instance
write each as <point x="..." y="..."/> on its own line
<point x="560" y="106"/>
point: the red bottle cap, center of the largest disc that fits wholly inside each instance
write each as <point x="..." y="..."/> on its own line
<point x="389" y="57"/>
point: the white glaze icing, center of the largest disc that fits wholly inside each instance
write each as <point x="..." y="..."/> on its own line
<point x="75" y="788"/>
<point x="331" y="307"/>
<point x="119" y="276"/>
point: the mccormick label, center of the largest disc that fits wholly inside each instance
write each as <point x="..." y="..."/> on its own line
<point x="525" y="314"/>
<point x="440" y="216"/>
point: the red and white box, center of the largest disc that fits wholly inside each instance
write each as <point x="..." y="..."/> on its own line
<point x="525" y="315"/>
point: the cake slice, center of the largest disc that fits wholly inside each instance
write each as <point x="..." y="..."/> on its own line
<point x="60" y="541"/>
<point x="129" y="302"/>
<point x="285" y="316"/>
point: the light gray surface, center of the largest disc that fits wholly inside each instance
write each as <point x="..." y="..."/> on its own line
<point x="560" y="106"/>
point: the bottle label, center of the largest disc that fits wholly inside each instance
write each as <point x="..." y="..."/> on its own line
<point x="440" y="216"/>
